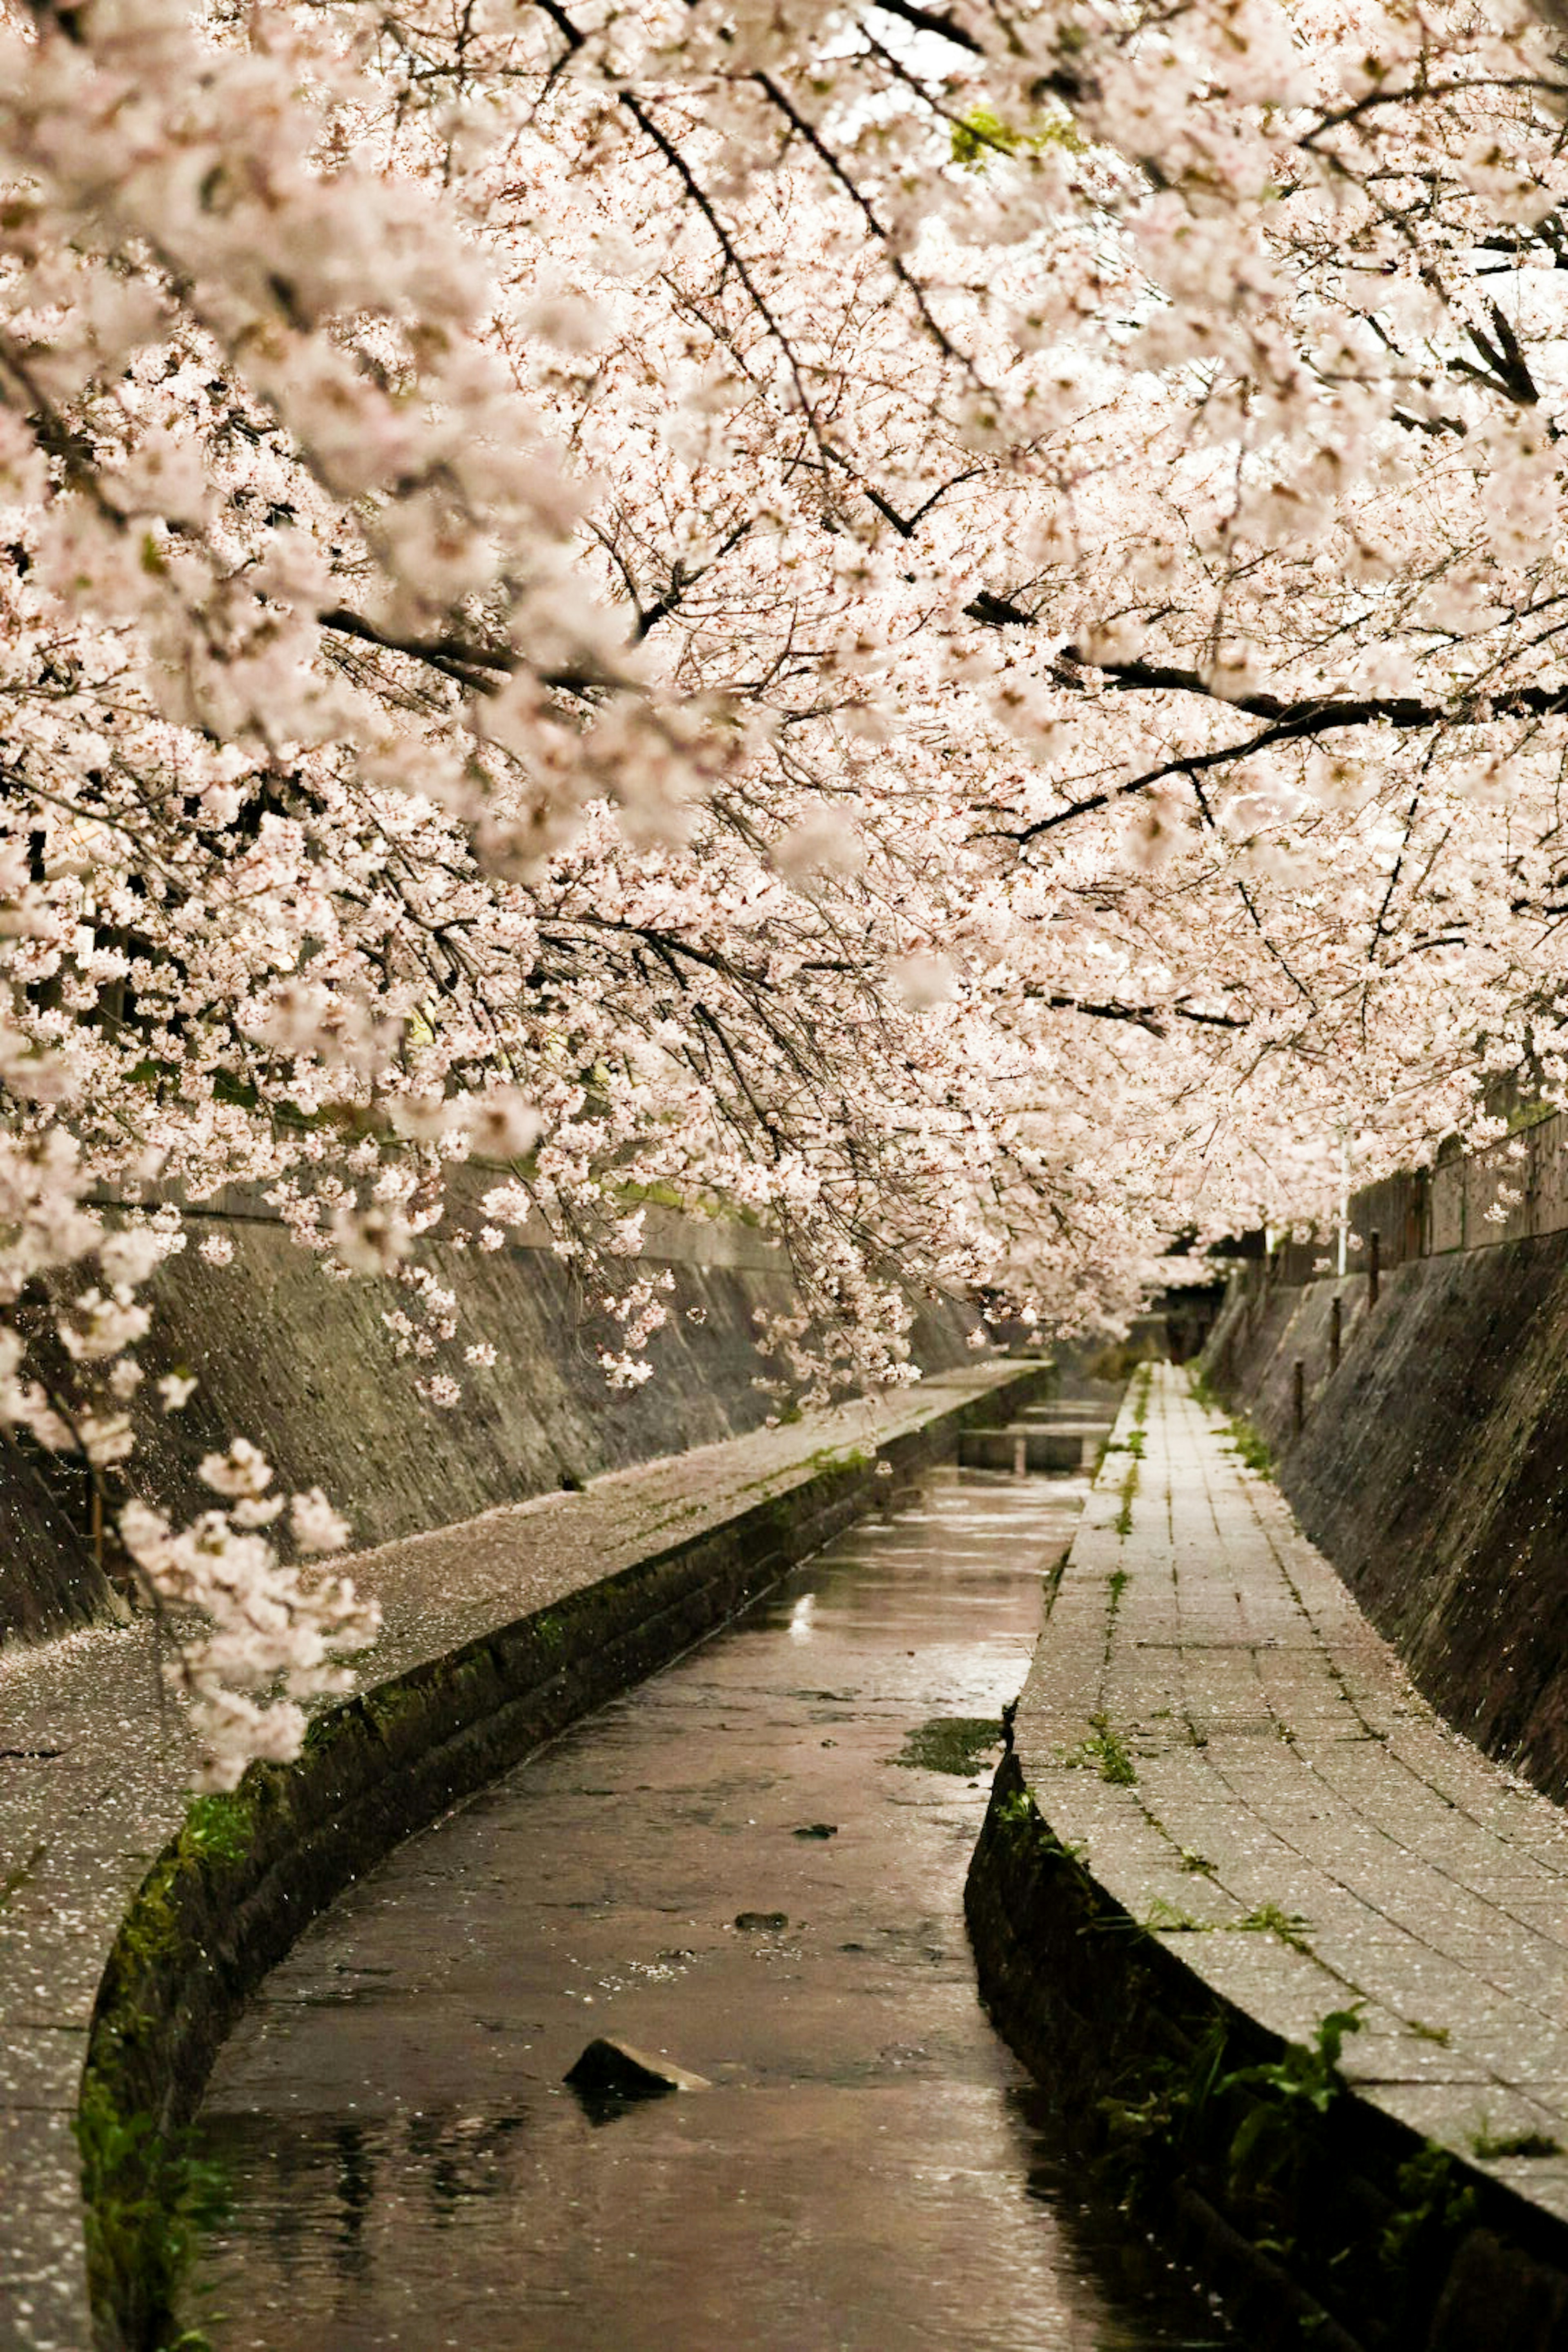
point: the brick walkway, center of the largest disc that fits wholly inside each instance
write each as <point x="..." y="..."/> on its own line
<point x="1286" y="1766"/>
<point x="93" y="1774"/>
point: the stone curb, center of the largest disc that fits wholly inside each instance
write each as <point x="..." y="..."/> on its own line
<point x="1107" y="2019"/>
<point x="1319" y="2211"/>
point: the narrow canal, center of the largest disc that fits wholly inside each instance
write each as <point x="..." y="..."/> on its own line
<point x="754" y="1865"/>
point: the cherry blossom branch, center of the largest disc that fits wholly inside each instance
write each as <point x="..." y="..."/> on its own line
<point x="940" y="21"/>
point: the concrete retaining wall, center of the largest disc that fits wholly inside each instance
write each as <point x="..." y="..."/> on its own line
<point x="307" y="1367"/>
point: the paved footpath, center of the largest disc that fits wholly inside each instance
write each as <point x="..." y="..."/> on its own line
<point x="93" y="1773"/>
<point x="1285" y="1766"/>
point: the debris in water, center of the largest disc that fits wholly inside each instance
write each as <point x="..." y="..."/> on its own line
<point x="958" y="1744"/>
<point x="613" y="2070"/>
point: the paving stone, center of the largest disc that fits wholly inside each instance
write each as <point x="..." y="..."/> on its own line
<point x="1425" y="1877"/>
<point x="41" y="2065"/>
<point x="46" y="2297"/>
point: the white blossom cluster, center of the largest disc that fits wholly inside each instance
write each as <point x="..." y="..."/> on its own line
<point x="937" y="627"/>
<point x="267" y="1628"/>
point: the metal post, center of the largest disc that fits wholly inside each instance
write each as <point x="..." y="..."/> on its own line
<point x="1336" y="1331"/>
<point x="1299" y="1392"/>
<point x="1343" y="1220"/>
<point x="1374" y="1264"/>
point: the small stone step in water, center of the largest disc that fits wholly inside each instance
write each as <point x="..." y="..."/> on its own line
<point x="1025" y="1445"/>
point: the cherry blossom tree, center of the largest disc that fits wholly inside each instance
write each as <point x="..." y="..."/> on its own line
<point x="940" y="622"/>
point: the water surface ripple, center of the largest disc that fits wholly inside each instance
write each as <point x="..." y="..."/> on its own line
<point x="866" y="2173"/>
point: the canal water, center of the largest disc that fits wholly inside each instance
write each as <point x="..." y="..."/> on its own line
<point x="753" y="1864"/>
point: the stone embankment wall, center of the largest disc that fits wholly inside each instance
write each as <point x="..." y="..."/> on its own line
<point x="1430" y="1464"/>
<point x="308" y="1367"/>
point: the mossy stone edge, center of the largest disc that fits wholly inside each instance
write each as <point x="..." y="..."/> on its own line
<point x="1371" y="2241"/>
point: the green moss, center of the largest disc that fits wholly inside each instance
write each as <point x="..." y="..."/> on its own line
<point x="1106" y="1752"/>
<point x="390" y="1703"/>
<point x="1165" y="1918"/>
<point x="148" y="2200"/>
<point x="145" y="2195"/>
<point x="1253" y="1450"/>
<point x="150" y="1932"/>
<point x="832" y="1458"/>
<point x="1491" y="2145"/>
<point x="220" y="1828"/>
<point x="1129" y="1490"/>
<point x="958" y="1744"/>
<point x="1133" y="1444"/>
<point x="1270" y="1919"/>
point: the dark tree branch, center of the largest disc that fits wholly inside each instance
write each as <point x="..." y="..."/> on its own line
<point x="1290" y="722"/>
<point x="931" y="20"/>
<point x="806" y="130"/>
<point x="1152" y="1017"/>
<point x="474" y="666"/>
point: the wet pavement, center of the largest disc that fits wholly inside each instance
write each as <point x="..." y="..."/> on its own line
<point x="1280" y="1806"/>
<point x="755" y="1865"/>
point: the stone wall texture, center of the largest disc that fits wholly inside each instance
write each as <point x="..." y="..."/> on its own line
<point x="307" y="1367"/>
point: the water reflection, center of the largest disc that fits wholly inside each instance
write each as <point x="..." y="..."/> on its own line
<point x="738" y="1865"/>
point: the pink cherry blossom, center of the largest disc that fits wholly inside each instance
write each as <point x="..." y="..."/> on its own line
<point x="940" y="634"/>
